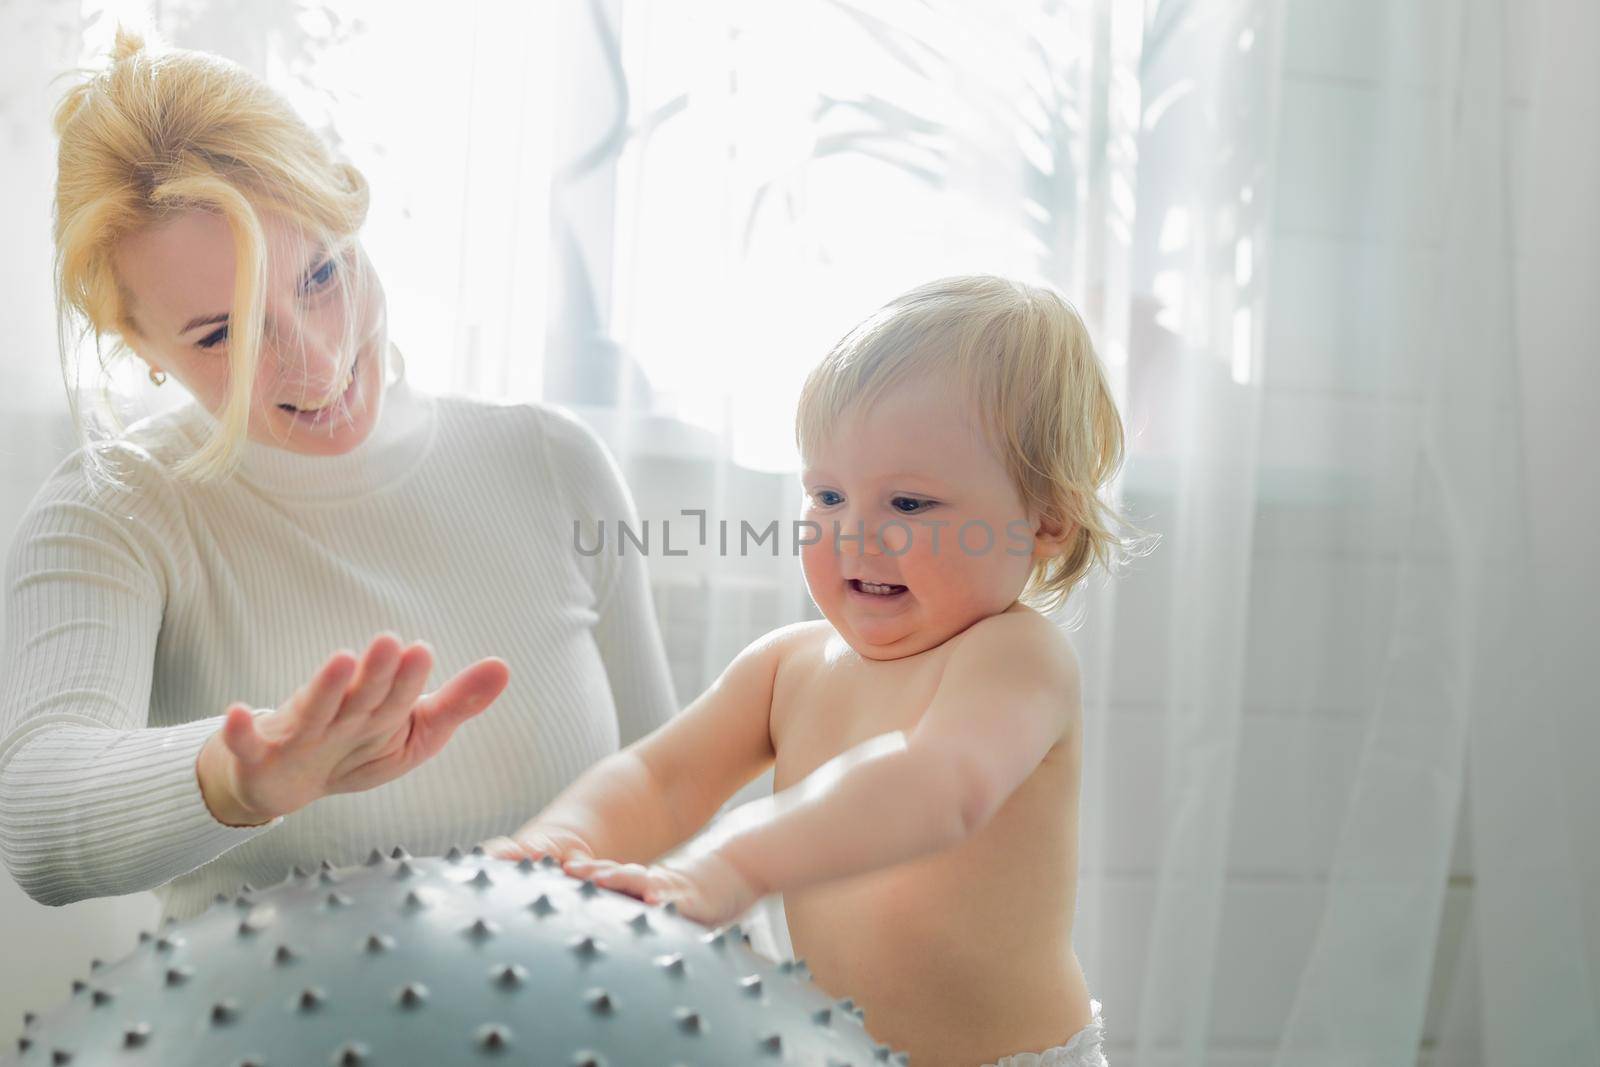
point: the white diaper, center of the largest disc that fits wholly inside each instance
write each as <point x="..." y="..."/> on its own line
<point x="1083" y="1049"/>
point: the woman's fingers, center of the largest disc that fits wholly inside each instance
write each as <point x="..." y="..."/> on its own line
<point x="320" y="701"/>
<point x="410" y="676"/>
<point x="376" y="677"/>
<point x="239" y="734"/>
<point x="436" y="716"/>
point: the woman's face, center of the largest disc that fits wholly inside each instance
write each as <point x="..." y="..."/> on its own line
<point x="319" y="377"/>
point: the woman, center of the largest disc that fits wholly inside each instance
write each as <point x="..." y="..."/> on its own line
<point x="171" y="718"/>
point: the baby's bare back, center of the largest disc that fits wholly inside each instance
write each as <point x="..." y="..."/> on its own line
<point x="961" y="957"/>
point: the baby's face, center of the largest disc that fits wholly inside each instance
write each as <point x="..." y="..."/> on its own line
<point x="944" y="527"/>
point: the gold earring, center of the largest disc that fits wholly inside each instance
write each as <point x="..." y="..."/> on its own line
<point x="157" y="376"/>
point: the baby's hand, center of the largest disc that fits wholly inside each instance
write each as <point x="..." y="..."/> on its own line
<point x="534" y="841"/>
<point x="705" y="888"/>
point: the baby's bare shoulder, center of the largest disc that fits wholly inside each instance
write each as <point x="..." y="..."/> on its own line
<point x="799" y="638"/>
<point x="1019" y="641"/>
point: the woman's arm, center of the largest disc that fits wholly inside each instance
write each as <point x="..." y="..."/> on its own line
<point x="93" y="801"/>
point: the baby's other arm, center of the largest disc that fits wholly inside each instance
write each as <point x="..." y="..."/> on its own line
<point x="1009" y="693"/>
<point x="647" y="799"/>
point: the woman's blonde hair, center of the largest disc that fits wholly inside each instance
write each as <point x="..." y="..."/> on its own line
<point x="163" y="131"/>
<point x="1024" y="355"/>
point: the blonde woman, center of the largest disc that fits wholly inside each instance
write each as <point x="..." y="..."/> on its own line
<point x="182" y="704"/>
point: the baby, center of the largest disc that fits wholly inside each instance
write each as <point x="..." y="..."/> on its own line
<point x="926" y="738"/>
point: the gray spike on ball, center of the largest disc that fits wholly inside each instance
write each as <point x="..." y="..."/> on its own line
<point x="352" y="1054"/>
<point x="509" y="976"/>
<point x="493" y="1038"/>
<point x="600" y="979"/>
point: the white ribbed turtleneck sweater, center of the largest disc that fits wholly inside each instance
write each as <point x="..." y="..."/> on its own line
<point x="135" y="616"/>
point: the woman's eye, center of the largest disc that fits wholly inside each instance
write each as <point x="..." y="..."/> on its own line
<point x="319" y="278"/>
<point x="916" y="504"/>
<point x="213" y="339"/>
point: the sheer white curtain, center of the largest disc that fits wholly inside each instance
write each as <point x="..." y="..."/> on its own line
<point x="1335" y="809"/>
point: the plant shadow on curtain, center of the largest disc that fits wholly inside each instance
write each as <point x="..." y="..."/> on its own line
<point x="1311" y="833"/>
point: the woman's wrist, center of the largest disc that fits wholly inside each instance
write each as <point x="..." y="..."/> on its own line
<point x="211" y="770"/>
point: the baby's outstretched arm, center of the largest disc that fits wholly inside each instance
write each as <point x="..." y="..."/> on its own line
<point x="1009" y="693"/>
<point x="639" y="803"/>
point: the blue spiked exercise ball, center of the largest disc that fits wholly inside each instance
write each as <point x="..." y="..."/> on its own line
<point x="453" y="960"/>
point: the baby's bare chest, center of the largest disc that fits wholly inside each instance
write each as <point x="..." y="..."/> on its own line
<point x="827" y="700"/>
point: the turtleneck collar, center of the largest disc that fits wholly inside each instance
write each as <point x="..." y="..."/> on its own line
<point x="402" y="436"/>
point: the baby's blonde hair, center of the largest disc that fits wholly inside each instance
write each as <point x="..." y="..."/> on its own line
<point x="1024" y="355"/>
<point x="160" y="132"/>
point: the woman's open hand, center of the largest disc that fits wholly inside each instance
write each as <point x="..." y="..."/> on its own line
<point x="355" y="725"/>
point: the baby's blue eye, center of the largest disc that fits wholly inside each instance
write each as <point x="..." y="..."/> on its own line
<point x="916" y="504"/>
<point x="826" y="497"/>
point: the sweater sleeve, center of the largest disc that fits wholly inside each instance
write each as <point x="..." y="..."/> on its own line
<point x="626" y="633"/>
<point x="93" y="800"/>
